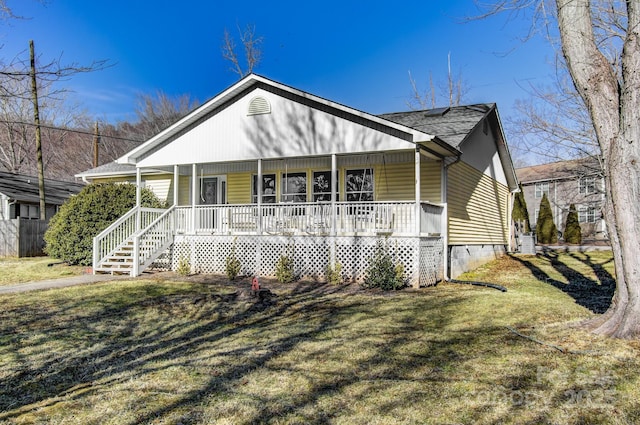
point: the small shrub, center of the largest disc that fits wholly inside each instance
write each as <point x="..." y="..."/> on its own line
<point x="285" y="269"/>
<point x="382" y="273"/>
<point x="334" y="274"/>
<point x="233" y="265"/>
<point x="184" y="267"/>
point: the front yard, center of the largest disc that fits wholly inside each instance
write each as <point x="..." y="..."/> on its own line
<point x="201" y="350"/>
<point x="20" y="270"/>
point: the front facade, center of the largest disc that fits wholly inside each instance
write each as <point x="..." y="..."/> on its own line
<point x="578" y="182"/>
<point x="264" y="169"/>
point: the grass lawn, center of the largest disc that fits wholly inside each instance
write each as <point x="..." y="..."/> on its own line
<point x="200" y="350"/>
<point x="20" y="270"/>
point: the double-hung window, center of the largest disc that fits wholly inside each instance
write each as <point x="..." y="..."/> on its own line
<point x="587" y="214"/>
<point x="541" y="189"/>
<point x="321" y="186"/>
<point x="294" y="187"/>
<point x="359" y="185"/>
<point x="587" y="185"/>
<point x="268" y="189"/>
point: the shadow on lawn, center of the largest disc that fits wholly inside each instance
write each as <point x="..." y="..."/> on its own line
<point x="413" y="355"/>
<point x="593" y="294"/>
<point x="106" y="349"/>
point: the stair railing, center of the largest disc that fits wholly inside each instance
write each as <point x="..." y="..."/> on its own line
<point x="150" y="242"/>
<point x="114" y="236"/>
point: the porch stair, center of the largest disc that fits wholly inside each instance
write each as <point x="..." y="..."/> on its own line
<point x="119" y="262"/>
<point x="121" y="249"/>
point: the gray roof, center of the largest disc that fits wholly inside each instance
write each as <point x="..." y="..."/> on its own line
<point x="452" y="124"/>
<point x="560" y="170"/>
<point x="110" y="168"/>
<point x="23" y="188"/>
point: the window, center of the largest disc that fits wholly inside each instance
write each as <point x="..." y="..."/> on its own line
<point x="542" y="188"/>
<point x="587" y="214"/>
<point x="537" y="213"/>
<point x="587" y="185"/>
<point x="29" y="211"/>
<point x="359" y="185"/>
<point x="294" y="187"/>
<point x="321" y="186"/>
<point x="268" y="189"/>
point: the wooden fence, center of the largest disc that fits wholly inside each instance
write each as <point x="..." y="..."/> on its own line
<point x="22" y="238"/>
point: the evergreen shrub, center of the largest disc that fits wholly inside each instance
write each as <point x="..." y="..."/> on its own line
<point x="70" y="234"/>
<point x="572" y="230"/>
<point x="546" y="229"/>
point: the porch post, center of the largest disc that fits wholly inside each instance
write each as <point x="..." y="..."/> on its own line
<point x="176" y="182"/>
<point x="334" y="210"/>
<point x="259" y="195"/>
<point x="194" y="195"/>
<point x="138" y="198"/>
<point x="418" y="208"/>
<point x="334" y="194"/>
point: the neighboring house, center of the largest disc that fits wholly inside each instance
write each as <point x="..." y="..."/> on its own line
<point x="577" y="182"/>
<point x="264" y="169"/>
<point x="21" y="230"/>
<point x="20" y="196"/>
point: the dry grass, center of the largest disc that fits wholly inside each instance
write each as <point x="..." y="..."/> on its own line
<point x="201" y="351"/>
<point x="20" y="270"/>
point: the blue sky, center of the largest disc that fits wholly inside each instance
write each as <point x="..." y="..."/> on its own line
<point x="353" y="52"/>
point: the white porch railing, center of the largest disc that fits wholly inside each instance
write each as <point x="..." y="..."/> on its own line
<point x="310" y="218"/>
<point x="153" y="240"/>
<point x="111" y="238"/>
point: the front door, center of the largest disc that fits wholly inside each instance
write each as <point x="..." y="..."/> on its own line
<point x="212" y="192"/>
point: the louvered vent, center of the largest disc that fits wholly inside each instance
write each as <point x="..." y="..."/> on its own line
<point x="259" y="105"/>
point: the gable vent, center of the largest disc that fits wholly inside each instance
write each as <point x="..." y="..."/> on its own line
<point x="259" y="105"/>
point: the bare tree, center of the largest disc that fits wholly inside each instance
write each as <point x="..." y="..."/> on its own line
<point x="600" y="43"/>
<point x="453" y="91"/>
<point x="38" y="76"/>
<point x="251" y="46"/>
<point x="155" y="113"/>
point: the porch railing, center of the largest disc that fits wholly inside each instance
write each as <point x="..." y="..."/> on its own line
<point x="309" y="218"/>
<point x="153" y="240"/>
<point x="111" y="238"/>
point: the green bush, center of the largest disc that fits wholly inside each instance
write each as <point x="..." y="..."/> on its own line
<point x="71" y="231"/>
<point x="572" y="230"/>
<point x="382" y="273"/>
<point x="285" y="271"/>
<point x="184" y="267"/>
<point x="545" y="227"/>
<point x="334" y="274"/>
<point x="520" y="212"/>
<point x="233" y="265"/>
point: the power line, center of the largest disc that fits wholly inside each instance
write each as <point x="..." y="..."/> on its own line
<point x="51" y="127"/>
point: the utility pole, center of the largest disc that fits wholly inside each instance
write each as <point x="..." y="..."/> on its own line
<point x="36" y="121"/>
<point x="96" y="145"/>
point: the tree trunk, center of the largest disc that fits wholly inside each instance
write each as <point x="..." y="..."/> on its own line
<point x="615" y="111"/>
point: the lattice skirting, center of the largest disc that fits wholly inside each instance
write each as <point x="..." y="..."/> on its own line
<point x="422" y="257"/>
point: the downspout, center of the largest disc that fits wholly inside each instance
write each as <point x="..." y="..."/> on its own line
<point x="445" y="214"/>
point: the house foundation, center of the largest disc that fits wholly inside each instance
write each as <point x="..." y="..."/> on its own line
<point x="464" y="258"/>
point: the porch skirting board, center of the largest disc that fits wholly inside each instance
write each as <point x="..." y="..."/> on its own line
<point x="422" y="257"/>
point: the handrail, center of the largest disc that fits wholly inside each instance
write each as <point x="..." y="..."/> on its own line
<point x="122" y="227"/>
<point x="111" y="238"/>
<point x="152" y="238"/>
